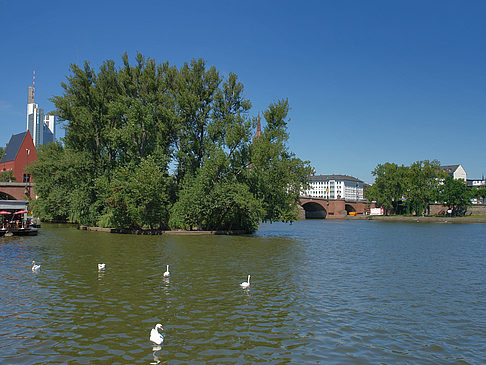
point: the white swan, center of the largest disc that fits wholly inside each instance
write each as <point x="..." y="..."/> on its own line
<point x="35" y="267"/>
<point x="101" y="267"/>
<point x="155" y="336"/>
<point x="246" y="284"/>
<point x="167" y="273"/>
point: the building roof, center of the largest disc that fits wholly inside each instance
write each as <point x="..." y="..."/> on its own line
<point x="449" y="168"/>
<point x="13" y="147"/>
<point x="333" y="177"/>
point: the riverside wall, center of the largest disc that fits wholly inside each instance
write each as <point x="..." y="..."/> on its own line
<point x="476" y="209"/>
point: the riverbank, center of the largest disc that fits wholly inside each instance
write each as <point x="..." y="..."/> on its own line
<point x="155" y="232"/>
<point x="420" y="219"/>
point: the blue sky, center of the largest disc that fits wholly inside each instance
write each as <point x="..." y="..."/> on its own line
<point x="368" y="82"/>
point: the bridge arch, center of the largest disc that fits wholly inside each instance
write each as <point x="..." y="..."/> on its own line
<point x="16" y="190"/>
<point x="314" y="210"/>
<point x="349" y="208"/>
<point x="5" y="196"/>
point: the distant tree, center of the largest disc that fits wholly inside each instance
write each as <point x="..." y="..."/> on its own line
<point x="479" y="193"/>
<point x="421" y="185"/>
<point x="2" y="150"/>
<point x="406" y="189"/>
<point x="389" y="187"/>
<point x="455" y="194"/>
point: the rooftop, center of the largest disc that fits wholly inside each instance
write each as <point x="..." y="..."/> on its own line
<point x="13" y="147"/>
<point x="449" y="168"/>
<point x="333" y="177"/>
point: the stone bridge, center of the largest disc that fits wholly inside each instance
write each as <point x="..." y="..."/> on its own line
<point x="16" y="191"/>
<point x="320" y="208"/>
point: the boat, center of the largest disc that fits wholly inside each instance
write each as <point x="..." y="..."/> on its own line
<point x="20" y="226"/>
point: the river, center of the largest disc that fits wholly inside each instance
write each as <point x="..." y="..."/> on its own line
<point x="321" y="292"/>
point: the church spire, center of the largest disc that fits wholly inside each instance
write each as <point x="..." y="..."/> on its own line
<point x="258" y="132"/>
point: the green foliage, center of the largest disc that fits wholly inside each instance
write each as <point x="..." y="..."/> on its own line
<point x="137" y="196"/>
<point x="389" y="186"/>
<point x="214" y="200"/>
<point x="422" y="182"/>
<point x="125" y="127"/>
<point x="412" y="189"/>
<point x="455" y="194"/>
<point x="7" y="176"/>
<point x="63" y="185"/>
<point x="276" y="176"/>
<point x="479" y="193"/>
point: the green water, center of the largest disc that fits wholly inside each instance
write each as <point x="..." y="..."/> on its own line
<point x="322" y="292"/>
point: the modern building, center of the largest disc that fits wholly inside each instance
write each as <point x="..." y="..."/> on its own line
<point x="335" y="187"/>
<point x="40" y="126"/>
<point x="19" y="153"/>
<point x="455" y="171"/>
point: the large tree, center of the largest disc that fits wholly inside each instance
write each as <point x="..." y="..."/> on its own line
<point x="389" y="187"/>
<point x="422" y="182"/>
<point x="406" y="189"/>
<point x="455" y="194"/>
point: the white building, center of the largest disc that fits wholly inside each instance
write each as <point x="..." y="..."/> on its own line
<point x="40" y="126"/>
<point x="335" y="187"/>
<point x="455" y="171"/>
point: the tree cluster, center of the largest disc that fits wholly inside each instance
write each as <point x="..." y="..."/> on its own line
<point x="156" y="146"/>
<point x="411" y="189"/>
<point x="7" y="176"/>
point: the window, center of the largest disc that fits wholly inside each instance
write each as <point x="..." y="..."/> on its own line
<point x="26" y="178"/>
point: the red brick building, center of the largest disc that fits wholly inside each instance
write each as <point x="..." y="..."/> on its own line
<point x="19" y="153"/>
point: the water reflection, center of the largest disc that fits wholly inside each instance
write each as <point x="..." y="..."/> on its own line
<point x="157" y="354"/>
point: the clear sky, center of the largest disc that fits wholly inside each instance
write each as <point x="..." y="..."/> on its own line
<point x="368" y="82"/>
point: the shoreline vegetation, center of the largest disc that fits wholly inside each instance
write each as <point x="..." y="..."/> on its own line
<point x="420" y="219"/>
<point x="156" y="232"/>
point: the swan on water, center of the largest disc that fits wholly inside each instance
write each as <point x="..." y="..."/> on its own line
<point x="167" y="273"/>
<point x="101" y="267"/>
<point x="155" y="336"/>
<point x="35" y="267"/>
<point x="246" y="284"/>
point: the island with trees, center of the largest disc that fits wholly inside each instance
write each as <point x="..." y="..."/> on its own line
<point x="153" y="146"/>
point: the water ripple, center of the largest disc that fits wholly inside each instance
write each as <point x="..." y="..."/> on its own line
<point x="321" y="292"/>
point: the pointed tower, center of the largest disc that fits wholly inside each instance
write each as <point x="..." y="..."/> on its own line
<point x="258" y="132"/>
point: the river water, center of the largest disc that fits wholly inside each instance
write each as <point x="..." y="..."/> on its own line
<point x="322" y="292"/>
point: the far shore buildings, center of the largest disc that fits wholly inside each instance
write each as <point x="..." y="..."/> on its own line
<point x="335" y="187"/>
<point x="41" y="127"/>
<point x="455" y="171"/>
<point x="21" y="149"/>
